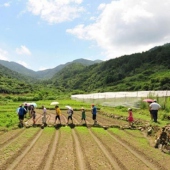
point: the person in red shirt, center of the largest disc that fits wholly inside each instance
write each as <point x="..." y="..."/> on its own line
<point x="130" y="117"/>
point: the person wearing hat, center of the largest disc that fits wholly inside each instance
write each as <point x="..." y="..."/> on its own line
<point x="94" y="113"/>
<point x="83" y="115"/>
<point x="58" y="114"/>
<point x="130" y="117"/>
<point x="154" y="107"/>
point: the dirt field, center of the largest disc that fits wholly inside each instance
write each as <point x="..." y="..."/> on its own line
<point x="79" y="147"/>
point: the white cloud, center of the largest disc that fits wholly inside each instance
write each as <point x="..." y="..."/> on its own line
<point x="3" y="55"/>
<point x="128" y="26"/>
<point x="42" y="68"/>
<point x="23" y="63"/>
<point x="7" y="4"/>
<point x="23" y="50"/>
<point x="56" y="11"/>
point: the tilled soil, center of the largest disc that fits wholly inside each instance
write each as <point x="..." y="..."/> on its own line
<point x="78" y="146"/>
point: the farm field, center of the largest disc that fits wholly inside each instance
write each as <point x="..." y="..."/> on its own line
<point x="79" y="146"/>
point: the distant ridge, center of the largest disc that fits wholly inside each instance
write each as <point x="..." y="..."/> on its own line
<point x="44" y="74"/>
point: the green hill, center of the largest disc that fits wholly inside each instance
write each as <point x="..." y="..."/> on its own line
<point x="141" y="71"/>
<point x="13" y="82"/>
<point x="148" y="70"/>
<point x="43" y="74"/>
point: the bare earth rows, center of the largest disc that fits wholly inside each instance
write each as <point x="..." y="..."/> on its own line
<point x="78" y="147"/>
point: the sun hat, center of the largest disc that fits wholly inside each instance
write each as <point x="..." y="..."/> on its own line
<point x="129" y="109"/>
<point x="82" y="108"/>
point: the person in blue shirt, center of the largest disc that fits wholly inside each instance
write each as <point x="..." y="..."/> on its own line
<point x="94" y="113"/>
<point x="21" y="113"/>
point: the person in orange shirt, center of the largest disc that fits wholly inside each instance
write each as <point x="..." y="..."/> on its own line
<point x="58" y="114"/>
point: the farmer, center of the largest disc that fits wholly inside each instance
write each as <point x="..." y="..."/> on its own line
<point x="30" y="110"/>
<point x="83" y="115"/>
<point x="130" y="117"/>
<point x="58" y="114"/>
<point x="70" y="114"/>
<point x="44" y="115"/>
<point x="154" y="107"/>
<point x="21" y="113"/>
<point x="94" y="113"/>
<point x="26" y="108"/>
<point x="33" y="117"/>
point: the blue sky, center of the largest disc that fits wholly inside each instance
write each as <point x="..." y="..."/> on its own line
<point x="42" y="34"/>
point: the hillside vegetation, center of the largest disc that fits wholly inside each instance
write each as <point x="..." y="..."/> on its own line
<point x="141" y="71"/>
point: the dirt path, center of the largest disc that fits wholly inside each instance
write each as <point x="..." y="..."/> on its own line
<point x="65" y="155"/>
<point x="79" y="152"/>
<point x="51" y="154"/>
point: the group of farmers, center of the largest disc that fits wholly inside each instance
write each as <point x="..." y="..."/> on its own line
<point x="24" y="108"/>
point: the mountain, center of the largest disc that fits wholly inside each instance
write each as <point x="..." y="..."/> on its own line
<point x="18" y="68"/>
<point x="148" y="70"/>
<point x="14" y="82"/>
<point x="49" y="73"/>
<point x="44" y="74"/>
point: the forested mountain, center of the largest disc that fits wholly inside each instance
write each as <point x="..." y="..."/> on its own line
<point x="13" y="82"/>
<point x="148" y="70"/>
<point x="18" y="68"/>
<point x="44" y="74"/>
<point x="141" y="71"/>
<point x="49" y="73"/>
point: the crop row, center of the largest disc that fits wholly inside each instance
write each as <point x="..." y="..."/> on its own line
<point x="78" y="148"/>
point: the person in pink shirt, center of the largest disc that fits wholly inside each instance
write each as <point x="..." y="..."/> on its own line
<point x="130" y="117"/>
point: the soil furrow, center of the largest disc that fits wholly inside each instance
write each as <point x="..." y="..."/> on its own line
<point x="94" y="157"/>
<point x="78" y="152"/>
<point x="8" y="137"/>
<point x="10" y="152"/>
<point x="36" y="157"/>
<point x="63" y="119"/>
<point x="75" y="120"/>
<point x="107" y="154"/>
<point x="139" y="156"/>
<point x="146" y="152"/>
<point x="51" y="154"/>
<point x="123" y="156"/>
<point x="20" y="157"/>
<point x="65" y="155"/>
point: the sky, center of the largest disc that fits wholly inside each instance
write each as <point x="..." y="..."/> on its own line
<point x="42" y="34"/>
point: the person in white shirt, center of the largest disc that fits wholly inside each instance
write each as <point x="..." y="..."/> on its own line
<point x="154" y="107"/>
<point x="44" y="115"/>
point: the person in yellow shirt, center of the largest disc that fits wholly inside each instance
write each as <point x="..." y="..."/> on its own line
<point x="58" y="114"/>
